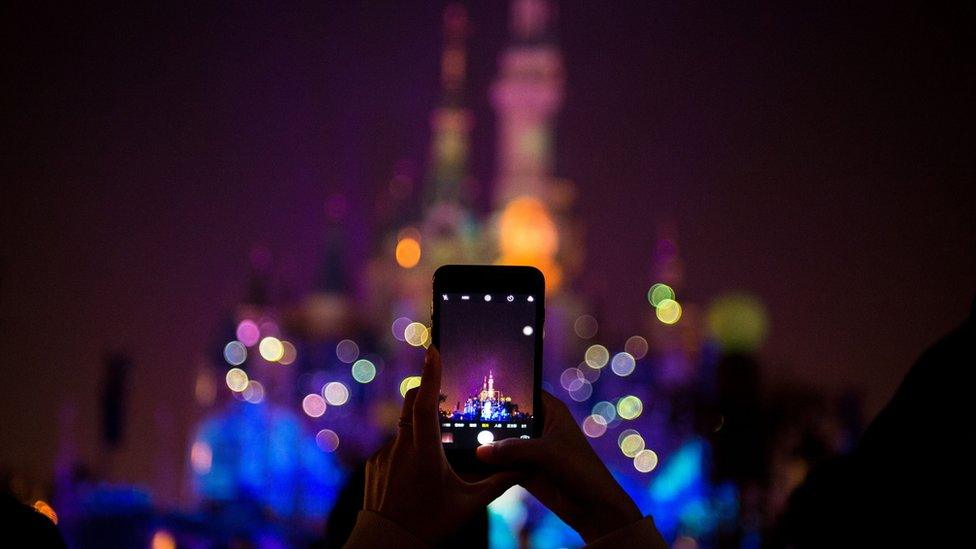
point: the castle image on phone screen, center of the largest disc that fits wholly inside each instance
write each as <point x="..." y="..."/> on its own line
<point x="487" y="350"/>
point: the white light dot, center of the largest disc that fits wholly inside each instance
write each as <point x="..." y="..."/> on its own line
<point x="485" y="437"/>
<point x="527" y="330"/>
<point x="236" y="379"/>
<point x="623" y="364"/>
<point x="645" y="461"/>
<point x="335" y="393"/>
<point x="487" y="297"/>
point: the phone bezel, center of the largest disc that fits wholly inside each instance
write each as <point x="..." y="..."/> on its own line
<point x="493" y="279"/>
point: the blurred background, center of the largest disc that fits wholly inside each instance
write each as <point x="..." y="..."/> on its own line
<point x="219" y="224"/>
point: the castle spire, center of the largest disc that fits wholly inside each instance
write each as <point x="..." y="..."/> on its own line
<point x="527" y="95"/>
<point x="451" y="121"/>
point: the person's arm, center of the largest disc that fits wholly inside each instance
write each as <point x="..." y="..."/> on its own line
<point x="565" y="474"/>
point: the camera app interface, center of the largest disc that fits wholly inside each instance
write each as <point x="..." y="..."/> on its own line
<point x="487" y="345"/>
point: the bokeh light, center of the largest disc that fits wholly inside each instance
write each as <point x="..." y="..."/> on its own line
<point x="668" y="311"/>
<point x="585" y="326"/>
<point x="327" y="440"/>
<point x="588" y="372"/>
<point x="623" y="364"/>
<point x="629" y="407"/>
<point x="486" y="437"/>
<point x="314" y="405"/>
<point x="254" y="392"/>
<point x="630" y="442"/>
<point x="527" y="330"/>
<point x="288" y="353"/>
<point x="580" y="390"/>
<point x="347" y="351"/>
<point x="162" y="539"/>
<point x="408" y="383"/>
<point x="363" y="371"/>
<point x="236" y="379"/>
<point x="416" y="334"/>
<point x="335" y="393"/>
<point x="738" y="322"/>
<point x="594" y="426"/>
<point x="569" y="376"/>
<point x="271" y="349"/>
<point x="235" y="353"/>
<point x="399" y="326"/>
<point x="606" y="410"/>
<point x="658" y="293"/>
<point x="636" y="346"/>
<point x="248" y="333"/>
<point x="597" y="356"/>
<point x="645" y="461"/>
<point x="201" y="457"/>
<point x="408" y="252"/>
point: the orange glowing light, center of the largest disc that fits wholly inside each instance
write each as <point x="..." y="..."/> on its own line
<point x="43" y="508"/>
<point x="408" y="253"/>
<point x="527" y="235"/>
<point x="526" y="229"/>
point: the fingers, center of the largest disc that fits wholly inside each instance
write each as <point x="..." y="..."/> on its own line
<point x="426" y="427"/>
<point x="406" y="413"/>
<point x="487" y="490"/>
<point x="513" y="451"/>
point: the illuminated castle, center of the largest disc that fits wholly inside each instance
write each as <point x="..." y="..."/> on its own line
<point x="488" y="405"/>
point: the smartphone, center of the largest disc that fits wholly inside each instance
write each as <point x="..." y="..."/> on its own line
<point x="487" y="323"/>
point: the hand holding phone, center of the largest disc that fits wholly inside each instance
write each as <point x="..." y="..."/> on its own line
<point x="410" y="482"/>
<point x="487" y="324"/>
<point x="565" y="474"/>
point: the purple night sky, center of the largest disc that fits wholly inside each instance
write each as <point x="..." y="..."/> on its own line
<point x="818" y="157"/>
<point x="476" y="336"/>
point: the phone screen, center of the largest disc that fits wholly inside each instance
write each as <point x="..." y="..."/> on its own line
<point x="487" y="346"/>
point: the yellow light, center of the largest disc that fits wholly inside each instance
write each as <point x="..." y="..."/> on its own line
<point x="629" y="407"/>
<point x="271" y="349"/>
<point x="668" y="311"/>
<point x="408" y="253"/>
<point x="658" y="293"/>
<point x="739" y="322"/>
<point x="408" y="383"/>
<point x="416" y="334"/>
<point x="645" y="461"/>
<point x="632" y="444"/>
<point x="43" y="508"/>
<point x="236" y="379"/>
<point x="597" y="356"/>
<point x="162" y="540"/>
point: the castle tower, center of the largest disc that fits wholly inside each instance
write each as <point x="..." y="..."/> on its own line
<point x="527" y="95"/>
<point x="451" y="121"/>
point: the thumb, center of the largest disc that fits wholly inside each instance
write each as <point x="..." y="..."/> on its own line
<point x="512" y="451"/>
